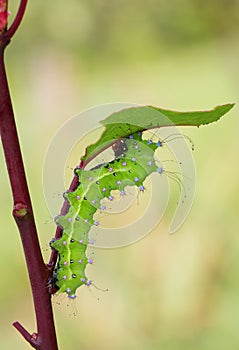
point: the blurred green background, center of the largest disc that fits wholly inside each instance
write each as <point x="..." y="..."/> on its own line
<point x="165" y="292"/>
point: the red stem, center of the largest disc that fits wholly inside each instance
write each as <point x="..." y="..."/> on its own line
<point x="15" y="24"/>
<point x="39" y="274"/>
<point x="32" y="339"/>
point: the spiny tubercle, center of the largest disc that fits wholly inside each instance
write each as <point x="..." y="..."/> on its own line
<point x="94" y="185"/>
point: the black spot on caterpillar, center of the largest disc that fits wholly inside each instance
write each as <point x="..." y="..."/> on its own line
<point x="119" y="147"/>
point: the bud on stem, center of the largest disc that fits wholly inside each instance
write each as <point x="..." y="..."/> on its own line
<point x="3" y="15"/>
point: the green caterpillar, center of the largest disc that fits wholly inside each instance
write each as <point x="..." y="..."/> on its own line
<point x="134" y="162"/>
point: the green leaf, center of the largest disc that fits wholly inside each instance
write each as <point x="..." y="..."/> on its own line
<point x="131" y="120"/>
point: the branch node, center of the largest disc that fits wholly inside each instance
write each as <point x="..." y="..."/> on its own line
<point x="32" y="339"/>
<point x="20" y="210"/>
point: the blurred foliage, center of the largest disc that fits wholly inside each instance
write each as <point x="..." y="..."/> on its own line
<point x="168" y="292"/>
<point x="101" y="29"/>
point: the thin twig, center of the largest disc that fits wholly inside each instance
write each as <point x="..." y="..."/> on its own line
<point x="17" y="21"/>
<point x="32" y="339"/>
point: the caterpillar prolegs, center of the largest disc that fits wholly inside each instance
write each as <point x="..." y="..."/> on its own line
<point x="134" y="162"/>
